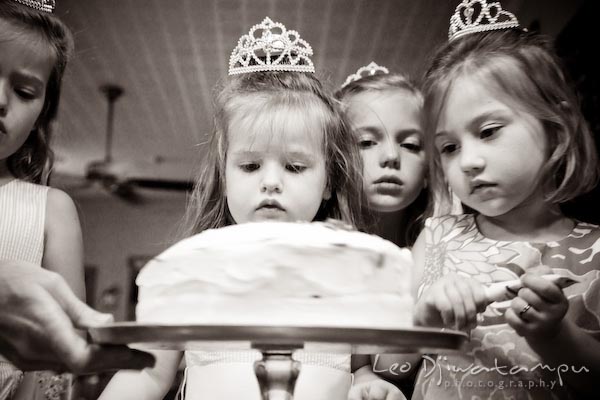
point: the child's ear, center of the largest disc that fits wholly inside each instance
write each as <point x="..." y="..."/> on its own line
<point x="327" y="192"/>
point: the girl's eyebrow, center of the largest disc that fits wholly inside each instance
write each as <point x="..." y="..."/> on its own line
<point x="305" y="155"/>
<point x="475" y="123"/>
<point x="246" y="153"/>
<point x="299" y="155"/>
<point x="485" y="116"/>
<point x="370" y="129"/>
<point x="408" y="132"/>
<point x="30" y="79"/>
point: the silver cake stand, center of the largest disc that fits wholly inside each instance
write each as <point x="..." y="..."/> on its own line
<point x="277" y="371"/>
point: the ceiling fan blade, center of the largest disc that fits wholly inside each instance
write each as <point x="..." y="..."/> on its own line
<point x="68" y="182"/>
<point x="162" y="184"/>
<point x="124" y="190"/>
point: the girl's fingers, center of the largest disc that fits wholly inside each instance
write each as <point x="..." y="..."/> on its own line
<point x="458" y="317"/>
<point x="543" y="288"/>
<point x="481" y="301"/>
<point x="524" y="310"/>
<point x="530" y="297"/>
<point x="395" y="395"/>
<point x="358" y="393"/>
<point x="467" y="289"/>
<point x="427" y="312"/>
<point x="519" y="325"/>
<point x="442" y="304"/>
<point x="455" y="300"/>
<point x="377" y="393"/>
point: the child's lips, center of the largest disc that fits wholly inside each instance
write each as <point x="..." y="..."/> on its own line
<point x="388" y="185"/>
<point x="389" y="180"/>
<point x="270" y="213"/>
<point x="477" y="186"/>
<point x="270" y="205"/>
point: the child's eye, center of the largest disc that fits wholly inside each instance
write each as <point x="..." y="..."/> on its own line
<point x="295" y="168"/>
<point x="488" y="131"/>
<point x="25" y="94"/>
<point x="249" y="167"/>
<point x="366" y="143"/>
<point x="448" y="148"/>
<point x="413" y="147"/>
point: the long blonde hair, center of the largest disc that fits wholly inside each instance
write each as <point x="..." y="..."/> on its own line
<point x="207" y="206"/>
<point x="414" y="212"/>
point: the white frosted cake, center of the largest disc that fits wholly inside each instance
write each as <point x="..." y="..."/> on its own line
<point x="278" y="273"/>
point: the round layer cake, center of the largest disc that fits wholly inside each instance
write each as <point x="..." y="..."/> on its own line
<point x="279" y="273"/>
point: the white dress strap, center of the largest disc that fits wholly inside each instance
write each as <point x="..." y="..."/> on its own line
<point x="181" y="390"/>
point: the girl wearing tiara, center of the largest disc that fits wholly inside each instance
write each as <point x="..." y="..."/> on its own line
<point x="507" y="136"/>
<point x="279" y="151"/>
<point x="385" y="111"/>
<point x="38" y="225"/>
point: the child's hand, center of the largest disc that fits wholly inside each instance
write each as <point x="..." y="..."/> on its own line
<point x="539" y="308"/>
<point x="453" y="302"/>
<point x="377" y="389"/>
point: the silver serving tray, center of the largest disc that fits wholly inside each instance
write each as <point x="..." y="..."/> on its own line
<point x="273" y="338"/>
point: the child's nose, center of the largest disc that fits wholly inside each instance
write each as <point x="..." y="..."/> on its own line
<point x="271" y="181"/>
<point x="390" y="155"/>
<point x="471" y="162"/>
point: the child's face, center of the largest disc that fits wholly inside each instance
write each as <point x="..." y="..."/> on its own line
<point x="388" y="125"/>
<point x="491" y="152"/>
<point x="275" y="174"/>
<point x="25" y="67"/>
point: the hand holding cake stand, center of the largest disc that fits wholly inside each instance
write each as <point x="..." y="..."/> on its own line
<point x="277" y="371"/>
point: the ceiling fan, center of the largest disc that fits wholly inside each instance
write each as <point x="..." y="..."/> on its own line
<point x="122" y="178"/>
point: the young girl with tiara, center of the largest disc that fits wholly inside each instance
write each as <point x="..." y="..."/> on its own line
<point x="385" y="111"/>
<point x="279" y="151"/>
<point x="38" y="225"/>
<point x="508" y="138"/>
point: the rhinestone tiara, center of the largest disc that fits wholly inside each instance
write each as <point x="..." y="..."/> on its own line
<point x="367" y="70"/>
<point x="473" y="16"/>
<point x="40" y="5"/>
<point x="269" y="46"/>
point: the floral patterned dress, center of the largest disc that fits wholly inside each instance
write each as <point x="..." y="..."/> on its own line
<point x="497" y="363"/>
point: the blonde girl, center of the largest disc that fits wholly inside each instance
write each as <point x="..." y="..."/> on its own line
<point x="279" y="152"/>
<point x="385" y="111"/>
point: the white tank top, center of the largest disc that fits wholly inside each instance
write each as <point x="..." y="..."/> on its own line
<point x="22" y="221"/>
<point x="22" y="218"/>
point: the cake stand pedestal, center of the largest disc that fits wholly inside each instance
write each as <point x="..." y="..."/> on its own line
<point x="277" y="371"/>
<point x="276" y="374"/>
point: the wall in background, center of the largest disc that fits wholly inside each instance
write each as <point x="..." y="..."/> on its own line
<point x="114" y="231"/>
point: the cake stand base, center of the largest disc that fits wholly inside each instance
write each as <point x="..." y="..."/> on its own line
<point x="277" y="373"/>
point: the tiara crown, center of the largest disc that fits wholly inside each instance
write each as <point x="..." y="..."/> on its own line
<point x="40" y="5"/>
<point x="368" y="70"/>
<point x="269" y="46"/>
<point x="473" y="16"/>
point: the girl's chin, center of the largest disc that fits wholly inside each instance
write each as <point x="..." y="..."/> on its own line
<point x="387" y="204"/>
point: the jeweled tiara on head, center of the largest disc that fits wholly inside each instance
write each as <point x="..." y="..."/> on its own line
<point x="269" y="46"/>
<point x="367" y="70"/>
<point x="40" y="5"/>
<point x="479" y="16"/>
